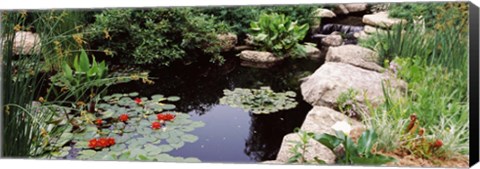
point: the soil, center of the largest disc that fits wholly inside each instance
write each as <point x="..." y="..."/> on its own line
<point x="407" y="160"/>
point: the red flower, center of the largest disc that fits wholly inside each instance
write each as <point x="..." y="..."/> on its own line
<point x="111" y="141"/>
<point x="99" y="122"/>
<point x="138" y="100"/>
<point x="123" y="117"/>
<point x="156" y="125"/>
<point x="438" y="143"/>
<point x="165" y="117"/>
<point x="102" y="142"/>
<point x="93" y="143"/>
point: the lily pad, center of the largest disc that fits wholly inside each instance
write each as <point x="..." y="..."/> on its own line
<point x="259" y="101"/>
<point x="173" y="98"/>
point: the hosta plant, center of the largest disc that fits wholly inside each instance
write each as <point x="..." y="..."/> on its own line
<point x="278" y="34"/>
<point x="259" y="101"/>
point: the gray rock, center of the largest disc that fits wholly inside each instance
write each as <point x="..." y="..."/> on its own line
<point x="332" y="40"/>
<point x="273" y="162"/>
<point x="361" y="35"/>
<point x="381" y="19"/>
<point x="316" y="149"/>
<point x="356" y="7"/>
<point x="354" y="55"/>
<point x="350" y="7"/>
<point x="313" y="52"/>
<point x="258" y="56"/>
<point x="227" y="41"/>
<point x="26" y="43"/>
<point x="324" y="13"/>
<point x="328" y="82"/>
<point x="373" y="30"/>
<point x="321" y="119"/>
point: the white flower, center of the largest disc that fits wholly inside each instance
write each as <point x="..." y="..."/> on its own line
<point x="342" y="126"/>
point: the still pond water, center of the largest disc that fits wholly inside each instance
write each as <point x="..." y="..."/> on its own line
<point x="230" y="134"/>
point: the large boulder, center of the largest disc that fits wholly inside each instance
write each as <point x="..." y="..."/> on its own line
<point x="351" y="7"/>
<point x="361" y="35"/>
<point x="354" y="55"/>
<point x="313" y="52"/>
<point x="381" y="19"/>
<point x="373" y="30"/>
<point x="26" y="43"/>
<point x="315" y="149"/>
<point x="321" y="120"/>
<point x="258" y="56"/>
<point x="324" y="13"/>
<point x="332" y="40"/>
<point x="227" y="41"/>
<point x="332" y="79"/>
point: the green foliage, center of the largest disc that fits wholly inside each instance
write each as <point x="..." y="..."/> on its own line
<point x="347" y="103"/>
<point x="22" y="124"/>
<point x="259" y="101"/>
<point x="434" y="15"/>
<point x="239" y="18"/>
<point x="441" y="108"/>
<point x="278" y="34"/>
<point x="299" y="149"/>
<point x="359" y="153"/>
<point x="134" y="138"/>
<point x="157" y="36"/>
<point x="444" y="43"/>
<point x="64" y="30"/>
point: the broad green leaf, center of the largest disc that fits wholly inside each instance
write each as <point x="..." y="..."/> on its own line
<point x="328" y="140"/>
<point x="366" y="142"/>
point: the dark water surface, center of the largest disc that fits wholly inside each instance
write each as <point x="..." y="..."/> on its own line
<point x="230" y="134"/>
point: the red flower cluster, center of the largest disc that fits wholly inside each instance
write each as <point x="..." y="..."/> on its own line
<point x="101" y="142"/>
<point x="123" y="117"/>
<point x="156" y="125"/>
<point x="165" y="117"/>
<point x="138" y="100"/>
<point x="99" y="121"/>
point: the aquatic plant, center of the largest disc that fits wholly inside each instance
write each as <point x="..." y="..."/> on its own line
<point x="130" y="131"/>
<point x="259" y="101"/>
<point x="278" y="34"/>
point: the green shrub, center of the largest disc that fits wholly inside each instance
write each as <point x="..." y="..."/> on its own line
<point x="157" y="36"/>
<point x="239" y="18"/>
<point x="278" y="34"/>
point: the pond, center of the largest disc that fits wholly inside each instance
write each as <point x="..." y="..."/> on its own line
<point x="230" y="134"/>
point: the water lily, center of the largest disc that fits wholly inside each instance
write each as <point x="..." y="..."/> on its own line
<point x="166" y="117"/>
<point x="111" y="141"/>
<point x="138" y="100"/>
<point x="92" y="143"/>
<point x="123" y="117"/>
<point x="103" y="142"/>
<point x="342" y="126"/>
<point x="99" y="121"/>
<point x="156" y="125"/>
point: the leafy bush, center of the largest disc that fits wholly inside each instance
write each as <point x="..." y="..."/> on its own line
<point x="239" y="18"/>
<point x="278" y="34"/>
<point x="157" y="36"/>
<point x="441" y="108"/>
<point x="432" y="12"/>
<point x="360" y="153"/>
